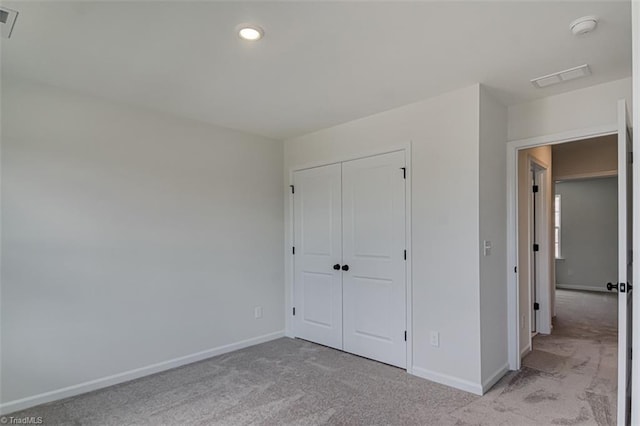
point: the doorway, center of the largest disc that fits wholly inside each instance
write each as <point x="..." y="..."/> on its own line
<point x="623" y="278"/>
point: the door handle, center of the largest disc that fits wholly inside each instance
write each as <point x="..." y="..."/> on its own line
<point x="611" y="286"/>
<point x="345" y="267"/>
<point x="336" y="266"/>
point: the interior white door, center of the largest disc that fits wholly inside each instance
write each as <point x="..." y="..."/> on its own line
<point x="374" y="285"/>
<point x="534" y="240"/>
<point x="625" y="281"/>
<point x="318" y="248"/>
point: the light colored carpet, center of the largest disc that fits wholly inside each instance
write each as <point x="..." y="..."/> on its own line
<point x="570" y="376"/>
<point x="568" y="379"/>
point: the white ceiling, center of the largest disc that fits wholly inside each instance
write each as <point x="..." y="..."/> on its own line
<point x="320" y="63"/>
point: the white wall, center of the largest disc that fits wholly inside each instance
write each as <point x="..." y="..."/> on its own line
<point x="589" y="228"/>
<point x="493" y="219"/>
<point x="580" y="109"/>
<point x="445" y="220"/>
<point x="129" y="238"/>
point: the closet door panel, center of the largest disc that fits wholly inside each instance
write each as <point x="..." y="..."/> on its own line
<point x="374" y="286"/>
<point x="318" y="247"/>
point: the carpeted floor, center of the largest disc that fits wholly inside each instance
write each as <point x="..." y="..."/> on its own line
<point x="568" y="379"/>
<point x="570" y="376"/>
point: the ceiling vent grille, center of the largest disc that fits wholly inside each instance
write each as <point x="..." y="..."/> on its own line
<point x="561" y="76"/>
<point x="7" y="21"/>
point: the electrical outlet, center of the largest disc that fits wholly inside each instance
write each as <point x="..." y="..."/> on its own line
<point x="435" y="339"/>
<point x="257" y="312"/>
<point x="486" y="248"/>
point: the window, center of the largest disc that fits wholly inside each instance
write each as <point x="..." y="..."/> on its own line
<point x="557" y="226"/>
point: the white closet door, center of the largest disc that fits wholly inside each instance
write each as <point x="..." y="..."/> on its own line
<point x="318" y="247"/>
<point x="374" y="286"/>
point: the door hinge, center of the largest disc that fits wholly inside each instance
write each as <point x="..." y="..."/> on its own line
<point x="630" y="157"/>
<point x="293" y="250"/>
<point x="515" y="269"/>
<point x="294" y="312"/>
<point x="536" y="247"/>
<point x="404" y="172"/>
<point x="405" y="255"/>
<point x="630" y="353"/>
<point x="535" y="188"/>
<point x="536" y="306"/>
<point x="293" y="189"/>
<point x="405" y="335"/>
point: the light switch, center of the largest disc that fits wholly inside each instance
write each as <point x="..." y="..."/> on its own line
<point x="7" y="20"/>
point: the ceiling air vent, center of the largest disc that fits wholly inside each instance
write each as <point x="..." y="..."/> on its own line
<point x="7" y="20"/>
<point x="561" y="76"/>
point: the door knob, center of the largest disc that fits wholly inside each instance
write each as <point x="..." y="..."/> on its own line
<point x="345" y="267"/>
<point x="336" y="266"/>
<point x="611" y="286"/>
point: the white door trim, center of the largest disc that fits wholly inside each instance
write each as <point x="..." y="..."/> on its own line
<point x="289" y="274"/>
<point x="512" y="221"/>
<point x="635" y="364"/>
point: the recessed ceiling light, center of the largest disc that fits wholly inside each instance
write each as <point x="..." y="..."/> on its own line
<point x="250" y="32"/>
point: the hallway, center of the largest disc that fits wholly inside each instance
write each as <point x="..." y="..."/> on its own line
<point x="570" y="377"/>
<point x="582" y="352"/>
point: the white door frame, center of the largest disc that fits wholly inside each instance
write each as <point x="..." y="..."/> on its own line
<point x="512" y="222"/>
<point x="635" y="364"/>
<point x="289" y="283"/>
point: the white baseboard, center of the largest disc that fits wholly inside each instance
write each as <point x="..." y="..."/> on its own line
<point x="525" y="351"/>
<point x="488" y="384"/>
<point x="54" y="395"/>
<point x="581" y="287"/>
<point x="444" y="379"/>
